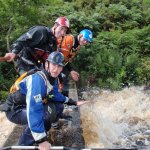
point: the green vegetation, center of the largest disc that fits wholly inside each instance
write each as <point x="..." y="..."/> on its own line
<point x="120" y="53"/>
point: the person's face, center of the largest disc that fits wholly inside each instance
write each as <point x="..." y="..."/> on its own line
<point x="53" y="69"/>
<point x="82" y="41"/>
<point x="60" y="31"/>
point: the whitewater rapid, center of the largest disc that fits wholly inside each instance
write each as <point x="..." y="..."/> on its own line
<point x="119" y="119"/>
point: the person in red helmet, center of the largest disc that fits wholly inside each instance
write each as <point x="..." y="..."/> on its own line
<point x="32" y="48"/>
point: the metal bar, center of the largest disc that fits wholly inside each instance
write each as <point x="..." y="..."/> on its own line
<point x="31" y="147"/>
<point x="24" y="147"/>
<point x="61" y="148"/>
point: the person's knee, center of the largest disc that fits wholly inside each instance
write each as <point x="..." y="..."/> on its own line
<point x="50" y="112"/>
<point x="26" y="137"/>
<point x="59" y="107"/>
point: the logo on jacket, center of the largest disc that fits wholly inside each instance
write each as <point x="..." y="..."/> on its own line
<point x="38" y="98"/>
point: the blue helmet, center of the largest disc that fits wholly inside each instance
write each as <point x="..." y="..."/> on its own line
<point x="87" y="35"/>
<point x="56" y="58"/>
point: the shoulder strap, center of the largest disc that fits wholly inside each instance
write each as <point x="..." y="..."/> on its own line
<point x="47" y="82"/>
<point x="15" y="86"/>
<point x="76" y="44"/>
<point x="51" y="40"/>
<point x="60" y="45"/>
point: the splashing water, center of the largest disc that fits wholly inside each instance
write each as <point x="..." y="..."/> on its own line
<point x="116" y="119"/>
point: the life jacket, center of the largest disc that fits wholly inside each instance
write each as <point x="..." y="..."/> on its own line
<point x="43" y="74"/>
<point x="40" y="55"/>
<point x="47" y="79"/>
<point x="69" y="46"/>
<point x="33" y="47"/>
<point x="15" y="86"/>
<point x="60" y="83"/>
<point x="16" y="101"/>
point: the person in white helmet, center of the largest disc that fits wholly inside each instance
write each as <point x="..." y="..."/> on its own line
<point x="32" y="48"/>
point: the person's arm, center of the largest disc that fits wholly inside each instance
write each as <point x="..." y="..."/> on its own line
<point x="30" y="39"/>
<point x="69" y="66"/>
<point x="59" y="97"/>
<point x="74" y="74"/>
<point x="56" y="95"/>
<point x="36" y="35"/>
<point x="36" y="89"/>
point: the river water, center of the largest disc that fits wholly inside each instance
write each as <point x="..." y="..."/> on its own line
<point x="119" y="119"/>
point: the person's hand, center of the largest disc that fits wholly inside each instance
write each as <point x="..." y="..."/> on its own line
<point x="79" y="103"/>
<point x="44" y="146"/>
<point x="74" y="75"/>
<point x="10" y="56"/>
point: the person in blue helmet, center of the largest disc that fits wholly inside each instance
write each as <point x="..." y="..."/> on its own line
<point x="37" y="103"/>
<point x="69" y="45"/>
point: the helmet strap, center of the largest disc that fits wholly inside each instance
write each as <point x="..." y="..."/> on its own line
<point x="54" y="28"/>
<point x="79" y="37"/>
<point x="47" y="66"/>
<point x="60" y="46"/>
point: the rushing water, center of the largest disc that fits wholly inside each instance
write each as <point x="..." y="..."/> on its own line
<point x="119" y="119"/>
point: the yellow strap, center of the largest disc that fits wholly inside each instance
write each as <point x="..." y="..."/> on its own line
<point x="15" y="86"/>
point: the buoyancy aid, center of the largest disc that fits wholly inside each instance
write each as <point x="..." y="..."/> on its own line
<point x="69" y="46"/>
<point x="34" y="46"/>
<point x="39" y="55"/>
<point x="19" y="99"/>
<point x="15" y="86"/>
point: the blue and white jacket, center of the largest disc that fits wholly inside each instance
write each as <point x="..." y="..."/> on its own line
<point x="35" y="87"/>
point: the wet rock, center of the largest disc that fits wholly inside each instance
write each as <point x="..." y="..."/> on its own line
<point x="90" y="93"/>
<point x="142" y="142"/>
<point x="147" y="132"/>
<point x="85" y="95"/>
<point x="142" y="130"/>
<point x="134" y="120"/>
<point x="147" y="142"/>
<point x="147" y="87"/>
<point x="68" y="137"/>
<point x="133" y="145"/>
<point x="139" y="143"/>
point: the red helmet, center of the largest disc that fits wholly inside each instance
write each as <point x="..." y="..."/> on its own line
<point x="63" y="21"/>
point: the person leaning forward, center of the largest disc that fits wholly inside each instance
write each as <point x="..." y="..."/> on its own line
<point x="37" y="103"/>
<point x="32" y="48"/>
<point x="69" y="45"/>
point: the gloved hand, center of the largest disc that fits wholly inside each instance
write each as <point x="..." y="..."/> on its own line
<point x="71" y="102"/>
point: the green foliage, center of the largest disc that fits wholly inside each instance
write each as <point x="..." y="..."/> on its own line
<point x="3" y="95"/>
<point x="7" y="75"/>
<point x="144" y="71"/>
<point x="120" y="52"/>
